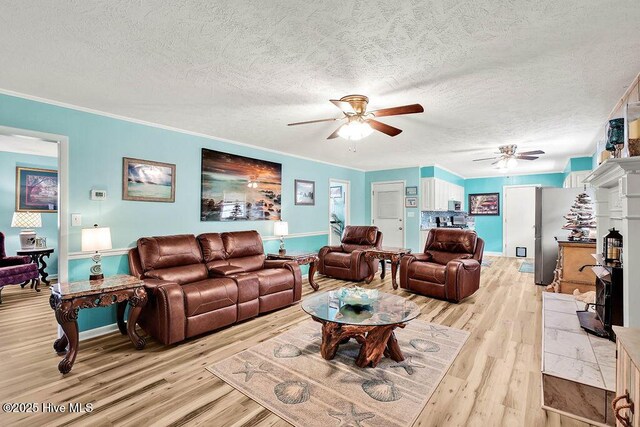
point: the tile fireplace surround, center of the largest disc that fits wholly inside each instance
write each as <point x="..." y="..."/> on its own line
<point x="578" y="369"/>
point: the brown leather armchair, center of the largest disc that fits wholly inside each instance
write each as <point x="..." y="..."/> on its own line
<point x="346" y="261"/>
<point x="449" y="268"/>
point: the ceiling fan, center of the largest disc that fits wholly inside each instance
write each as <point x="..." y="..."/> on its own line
<point x="507" y="158"/>
<point x="360" y="122"/>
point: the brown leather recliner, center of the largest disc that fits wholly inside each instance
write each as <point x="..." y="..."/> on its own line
<point x="197" y="285"/>
<point x="449" y="268"/>
<point x="347" y="261"/>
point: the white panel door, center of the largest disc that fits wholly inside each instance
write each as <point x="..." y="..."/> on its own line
<point x="519" y="206"/>
<point x="387" y="211"/>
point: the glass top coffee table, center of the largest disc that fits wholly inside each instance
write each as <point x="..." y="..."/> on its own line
<point x="370" y="325"/>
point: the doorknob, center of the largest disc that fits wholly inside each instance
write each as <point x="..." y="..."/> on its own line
<point x="399" y="228"/>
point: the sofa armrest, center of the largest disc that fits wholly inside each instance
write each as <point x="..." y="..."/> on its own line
<point x="462" y="278"/>
<point x="326" y="249"/>
<point x="225" y="270"/>
<point x="14" y="260"/>
<point x="278" y="263"/>
<point x="164" y="315"/>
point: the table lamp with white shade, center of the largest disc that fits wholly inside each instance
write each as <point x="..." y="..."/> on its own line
<point x="27" y="221"/>
<point x="281" y="228"/>
<point x="96" y="239"/>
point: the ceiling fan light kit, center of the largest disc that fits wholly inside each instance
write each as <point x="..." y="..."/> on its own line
<point x="508" y="159"/>
<point x="361" y="123"/>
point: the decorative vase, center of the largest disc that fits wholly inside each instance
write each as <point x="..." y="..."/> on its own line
<point x="615" y="137"/>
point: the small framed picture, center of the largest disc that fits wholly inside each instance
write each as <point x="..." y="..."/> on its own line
<point x="148" y="181"/>
<point x="335" y="192"/>
<point x="410" y="202"/>
<point x="305" y="192"/>
<point x="411" y="191"/>
<point x="484" y="204"/>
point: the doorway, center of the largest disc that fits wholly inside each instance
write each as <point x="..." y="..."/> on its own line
<point x="38" y="164"/>
<point x="387" y="211"/>
<point x="339" y="209"/>
<point x="519" y="221"/>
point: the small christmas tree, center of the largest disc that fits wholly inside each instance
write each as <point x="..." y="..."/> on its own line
<point x="580" y="219"/>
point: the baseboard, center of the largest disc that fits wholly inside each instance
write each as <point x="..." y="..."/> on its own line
<point x="489" y="253"/>
<point x="97" y="332"/>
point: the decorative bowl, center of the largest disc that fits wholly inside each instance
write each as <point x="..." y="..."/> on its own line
<point x="357" y="295"/>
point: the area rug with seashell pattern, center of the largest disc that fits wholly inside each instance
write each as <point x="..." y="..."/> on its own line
<point x="287" y="375"/>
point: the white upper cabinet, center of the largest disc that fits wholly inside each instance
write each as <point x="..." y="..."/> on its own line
<point x="575" y="179"/>
<point x="436" y="193"/>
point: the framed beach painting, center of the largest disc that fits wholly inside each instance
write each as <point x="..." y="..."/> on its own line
<point x="148" y="181"/>
<point x="335" y="192"/>
<point x="238" y="188"/>
<point x="305" y="192"/>
<point x="36" y="190"/>
<point x="484" y="204"/>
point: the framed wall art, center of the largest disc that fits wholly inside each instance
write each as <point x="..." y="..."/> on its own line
<point x="148" y="181"/>
<point x="484" y="204"/>
<point x="36" y="190"/>
<point x="335" y="192"/>
<point x="238" y="188"/>
<point x="410" y="202"/>
<point x="305" y="192"/>
<point x="411" y="191"/>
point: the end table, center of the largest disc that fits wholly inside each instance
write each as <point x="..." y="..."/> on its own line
<point x="37" y="257"/>
<point x="394" y="255"/>
<point x="301" y="258"/>
<point x="68" y="298"/>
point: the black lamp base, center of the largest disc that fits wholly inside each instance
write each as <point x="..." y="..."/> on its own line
<point x="96" y="276"/>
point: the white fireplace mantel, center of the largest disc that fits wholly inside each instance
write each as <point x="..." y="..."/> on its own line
<point x="617" y="201"/>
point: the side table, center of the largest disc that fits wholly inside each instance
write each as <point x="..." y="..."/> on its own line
<point x="310" y="258"/>
<point x="394" y="255"/>
<point x="37" y="256"/>
<point x="68" y="298"/>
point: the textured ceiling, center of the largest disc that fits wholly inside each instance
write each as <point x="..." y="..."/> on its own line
<point x="540" y="74"/>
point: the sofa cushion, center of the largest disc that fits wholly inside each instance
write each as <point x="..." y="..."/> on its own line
<point x="428" y="271"/>
<point x="239" y="244"/>
<point x="274" y="280"/>
<point x="338" y="259"/>
<point x="360" y="235"/>
<point x="180" y="275"/>
<point x="248" y="263"/>
<point x="212" y="246"/>
<point x="444" y="257"/>
<point x="209" y="295"/>
<point x="168" y="251"/>
<point x="18" y="273"/>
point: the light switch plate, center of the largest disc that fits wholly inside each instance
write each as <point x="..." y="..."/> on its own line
<point x="76" y="220"/>
<point x="411" y="214"/>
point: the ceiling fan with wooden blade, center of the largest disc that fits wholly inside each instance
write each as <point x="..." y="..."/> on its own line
<point x="508" y="158"/>
<point x="359" y="122"/>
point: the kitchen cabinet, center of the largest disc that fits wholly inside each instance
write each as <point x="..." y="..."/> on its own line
<point x="575" y="179"/>
<point x="436" y="193"/>
<point x="627" y="377"/>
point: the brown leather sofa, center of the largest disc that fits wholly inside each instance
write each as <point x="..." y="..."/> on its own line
<point x="346" y="261"/>
<point x="448" y="269"/>
<point x="197" y="285"/>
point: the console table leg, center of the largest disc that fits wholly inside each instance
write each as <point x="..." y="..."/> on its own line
<point x="394" y="271"/>
<point x="312" y="273"/>
<point x="137" y="301"/>
<point x="43" y="266"/>
<point x="383" y="265"/>
<point x="67" y="317"/>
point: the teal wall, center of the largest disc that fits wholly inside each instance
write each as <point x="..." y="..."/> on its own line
<point x="490" y="227"/>
<point x="97" y="145"/>
<point x="436" y="172"/>
<point x="575" y="164"/>
<point x="411" y="177"/>
<point x="8" y="163"/>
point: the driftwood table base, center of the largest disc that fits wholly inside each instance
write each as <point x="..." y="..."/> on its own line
<point x="375" y="341"/>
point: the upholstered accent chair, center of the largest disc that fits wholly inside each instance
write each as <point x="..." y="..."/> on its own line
<point x="346" y="261"/>
<point x="16" y="270"/>
<point x="449" y="267"/>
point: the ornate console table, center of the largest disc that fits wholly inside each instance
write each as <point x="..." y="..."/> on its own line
<point x="394" y="255"/>
<point x="310" y="258"/>
<point x="37" y="257"/>
<point x="68" y="298"/>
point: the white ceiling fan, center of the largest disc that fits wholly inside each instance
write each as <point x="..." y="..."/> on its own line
<point x="508" y="159"/>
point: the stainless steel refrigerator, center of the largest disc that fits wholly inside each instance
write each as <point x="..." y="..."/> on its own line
<point x="551" y="206"/>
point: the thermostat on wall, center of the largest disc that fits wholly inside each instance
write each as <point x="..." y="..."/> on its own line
<point x="98" y="195"/>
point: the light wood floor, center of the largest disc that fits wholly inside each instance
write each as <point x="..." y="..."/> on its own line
<point x="494" y="381"/>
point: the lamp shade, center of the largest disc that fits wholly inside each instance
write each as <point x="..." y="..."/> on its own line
<point x="280" y="228"/>
<point x="96" y="239"/>
<point x="26" y="220"/>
